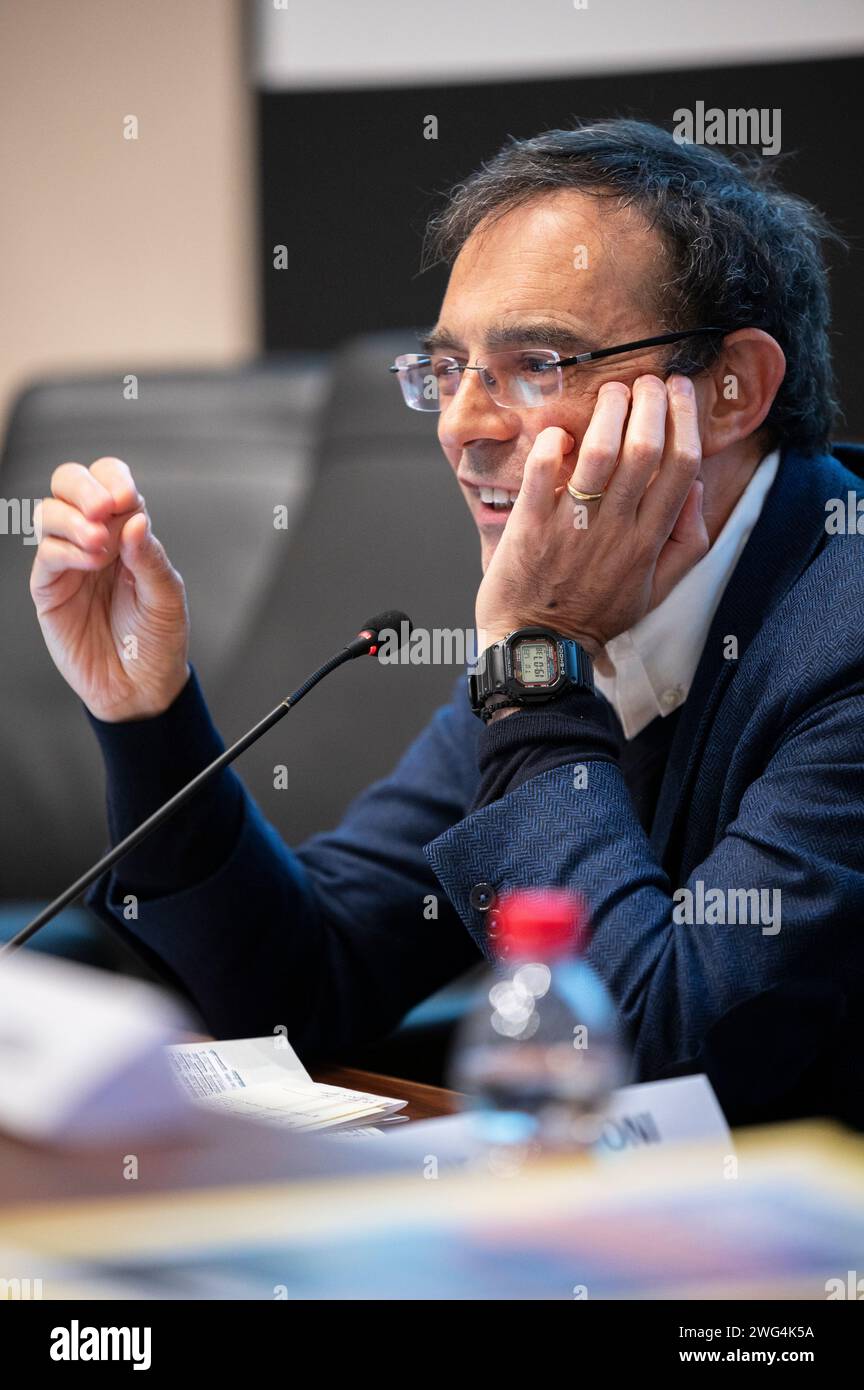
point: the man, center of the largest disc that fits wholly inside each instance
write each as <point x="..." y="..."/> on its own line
<point x="656" y="511"/>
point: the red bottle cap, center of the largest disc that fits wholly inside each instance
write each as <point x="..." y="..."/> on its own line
<point x="539" y="924"/>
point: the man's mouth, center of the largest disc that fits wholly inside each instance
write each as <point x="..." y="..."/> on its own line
<point x="498" y="498"/>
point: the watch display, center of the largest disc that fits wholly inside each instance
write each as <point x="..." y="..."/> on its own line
<point x="535" y="662"/>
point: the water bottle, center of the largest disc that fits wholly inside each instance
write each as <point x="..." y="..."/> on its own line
<point x="541" y="1052"/>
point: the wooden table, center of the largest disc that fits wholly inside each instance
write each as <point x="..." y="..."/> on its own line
<point x="222" y="1150"/>
<point x="424" y="1102"/>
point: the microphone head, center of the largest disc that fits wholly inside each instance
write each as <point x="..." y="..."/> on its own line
<point x="392" y="620"/>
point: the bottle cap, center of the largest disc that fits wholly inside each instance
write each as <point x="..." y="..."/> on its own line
<point x="541" y="923"/>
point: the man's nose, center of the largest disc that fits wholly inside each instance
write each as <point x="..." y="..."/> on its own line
<point x="472" y="414"/>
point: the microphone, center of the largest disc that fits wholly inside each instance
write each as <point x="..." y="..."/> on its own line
<point x="364" y="644"/>
<point x="367" y="638"/>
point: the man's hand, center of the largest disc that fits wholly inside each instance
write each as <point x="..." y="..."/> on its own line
<point x="594" y="581"/>
<point x="111" y="607"/>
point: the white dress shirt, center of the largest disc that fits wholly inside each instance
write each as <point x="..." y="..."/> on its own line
<point x="655" y="660"/>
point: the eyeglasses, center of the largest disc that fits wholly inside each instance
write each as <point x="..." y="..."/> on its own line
<point x="519" y="378"/>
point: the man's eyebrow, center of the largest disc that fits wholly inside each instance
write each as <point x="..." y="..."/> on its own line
<point x="534" y="333"/>
<point x="537" y="333"/>
<point x="438" y="339"/>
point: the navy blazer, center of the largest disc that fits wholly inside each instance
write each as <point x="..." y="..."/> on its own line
<point x="763" y="790"/>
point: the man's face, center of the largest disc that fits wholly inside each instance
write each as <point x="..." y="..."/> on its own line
<point x="521" y="273"/>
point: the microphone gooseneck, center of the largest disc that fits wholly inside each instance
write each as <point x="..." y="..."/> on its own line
<point x="365" y="643"/>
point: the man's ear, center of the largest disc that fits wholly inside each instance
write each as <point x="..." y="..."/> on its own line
<point x="736" y="394"/>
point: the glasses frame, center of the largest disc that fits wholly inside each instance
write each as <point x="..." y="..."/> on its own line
<point x="577" y="360"/>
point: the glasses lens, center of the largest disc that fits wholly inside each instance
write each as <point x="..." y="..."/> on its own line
<point x="425" y="380"/>
<point x="522" y="378"/>
<point x="519" y="378"/>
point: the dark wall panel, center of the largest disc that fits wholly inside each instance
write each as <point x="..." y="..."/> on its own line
<point x="347" y="180"/>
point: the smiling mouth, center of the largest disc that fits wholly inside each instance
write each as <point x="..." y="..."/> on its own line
<point x="498" y="498"/>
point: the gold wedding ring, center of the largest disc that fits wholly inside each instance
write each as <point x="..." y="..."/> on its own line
<point x="583" y="496"/>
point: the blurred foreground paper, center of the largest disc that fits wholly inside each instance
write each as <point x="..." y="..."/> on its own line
<point x="81" y="1053"/>
<point x="788" y="1223"/>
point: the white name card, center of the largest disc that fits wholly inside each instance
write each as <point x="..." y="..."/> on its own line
<point x="655" y="1114"/>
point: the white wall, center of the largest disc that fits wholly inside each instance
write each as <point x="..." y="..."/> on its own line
<point x="356" y="43"/>
<point x="115" y="253"/>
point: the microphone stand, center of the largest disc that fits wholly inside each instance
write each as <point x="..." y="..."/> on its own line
<point x="365" y="642"/>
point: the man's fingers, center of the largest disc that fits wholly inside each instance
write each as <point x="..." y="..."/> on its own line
<point x="541" y="477"/>
<point x="106" y="488"/>
<point x="601" y="442"/>
<point x="65" y="522"/>
<point x="75" y="484"/>
<point x="681" y="460"/>
<point x="80" y="525"/>
<point x="68" y="540"/>
<point x="686" y="545"/>
<point x="54" y="556"/>
<point x="146" y="559"/>
<point x="642" y="449"/>
<point x="116" y="477"/>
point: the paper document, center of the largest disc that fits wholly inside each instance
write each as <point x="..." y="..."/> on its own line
<point x="264" y="1079"/>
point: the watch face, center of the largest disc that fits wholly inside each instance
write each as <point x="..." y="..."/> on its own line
<point x="535" y="662"/>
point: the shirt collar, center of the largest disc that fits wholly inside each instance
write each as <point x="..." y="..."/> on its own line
<point x="654" y="662"/>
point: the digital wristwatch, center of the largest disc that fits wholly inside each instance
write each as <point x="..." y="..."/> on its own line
<point x="531" y="666"/>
